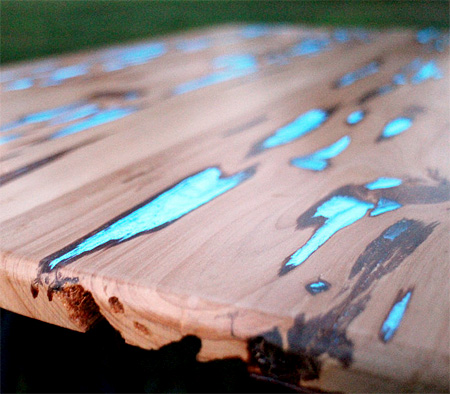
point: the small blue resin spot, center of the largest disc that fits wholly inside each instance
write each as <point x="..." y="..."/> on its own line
<point x="429" y="70"/>
<point x="20" y="84"/>
<point x="304" y="124"/>
<point x="317" y="287"/>
<point x="318" y="161"/>
<point x="228" y="67"/>
<point x="385" y="205"/>
<point x="361" y="73"/>
<point x="255" y="31"/>
<point x="101" y="117"/>
<point x="425" y="36"/>
<point x="396" y="126"/>
<point x="7" y="138"/>
<point x="340" y="212"/>
<point x="133" y="56"/>
<point x="396" y="229"/>
<point x="62" y="74"/>
<point x="392" y="322"/>
<point x="191" y="193"/>
<point x="311" y="46"/>
<point x="194" y="45"/>
<point x="383" y="183"/>
<point x="355" y="117"/>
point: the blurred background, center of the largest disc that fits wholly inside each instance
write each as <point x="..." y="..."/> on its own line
<point x="35" y="28"/>
<point x="37" y="357"/>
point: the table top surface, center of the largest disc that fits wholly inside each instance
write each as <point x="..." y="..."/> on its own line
<point x="261" y="187"/>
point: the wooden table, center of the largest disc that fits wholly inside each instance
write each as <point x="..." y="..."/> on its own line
<point x="280" y="192"/>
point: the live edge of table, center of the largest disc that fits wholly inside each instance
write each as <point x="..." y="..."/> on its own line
<point x="280" y="192"/>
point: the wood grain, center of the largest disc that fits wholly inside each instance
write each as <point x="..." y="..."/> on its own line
<point x="240" y="207"/>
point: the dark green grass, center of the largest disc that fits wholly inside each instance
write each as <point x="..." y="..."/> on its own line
<point x="36" y="28"/>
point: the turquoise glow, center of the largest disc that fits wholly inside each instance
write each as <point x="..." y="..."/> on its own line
<point x="311" y="46"/>
<point x="354" y="76"/>
<point x="304" y="124"/>
<point x="318" y="161"/>
<point x="99" y="118"/>
<point x="340" y="212"/>
<point x="61" y="74"/>
<point x="396" y="127"/>
<point x="193" y="45"/>
<point x="396" y="229"/>
<point x="227" y="68"/>
<point x="429" y="70"/>
<point x="133" y="56"/>
<point x="385" y="205"/>
<point x="77" y="113"/>
<point x="427" y="35"/>
<point x="392" y="322"/>
<point x="191" y="193"/>
<point x="317" y="287"/>
<point x="8" y="138"/>
<point x="355" y="117"/>
<point x="383" y="183"/>
<point x="20" y="84"/>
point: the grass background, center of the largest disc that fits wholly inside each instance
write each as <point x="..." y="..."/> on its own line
<point x="34" y="28"/>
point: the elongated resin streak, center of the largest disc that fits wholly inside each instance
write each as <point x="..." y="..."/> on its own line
<point x="301" y="126"/>
<point x="385" y="205"/>
<point x="395" y="317"/>
<point x="319" y="160"/>
<point x="355" y="117"/>
<point x="339" y="212"/>
<point x="383" y="183"/>
<point x="151" y="215"/>
<point x="395" y="127"/>
<point x="354" y="76"/>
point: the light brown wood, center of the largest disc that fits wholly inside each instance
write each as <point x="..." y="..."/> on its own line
<point x="220" y="271"/>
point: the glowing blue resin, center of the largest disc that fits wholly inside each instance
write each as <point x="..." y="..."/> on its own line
<point x="355" y="117"/>
<point x="399" y="79"/>
<point x="429" y="70"/>
<point x="385" y="205"/>
<point x="133" y="56"/>
<point x="189" y="194"/>
<point x="77" y="113"/>
<point x="8" y="138"/>
<point x="318" y="161"/>
<point x="392" y="322"/>
<point x="61" y="74"/>
<point x="20" y="84"/>
<point x="396" y="229"/>
<point x="363" y="72"/>
<point x="340" y="212"/>
<point x="311" y="46"/>
<point x="383" y="183"/>
<point x="396" y="126"/>
<point x="101" y="117"/>
<point x="304" y="124"/>
<point x="255" y="31"/>
<point x="427" y="35"/>
<point x="228" y="67"/>
<point x="194" y="45"/>
<point x="317" y="287"/>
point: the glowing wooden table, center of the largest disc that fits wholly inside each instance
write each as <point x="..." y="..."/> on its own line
<point x="281" y="193"/>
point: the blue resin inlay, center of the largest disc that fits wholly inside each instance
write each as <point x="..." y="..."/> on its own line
<point x="188" y="195"/>
<point x="311" y="46"/>
<point x="399" y="79"/>
<point x="255" y="31"/>
<point x="8" y="138"/>
<point x="392" y="322"/>
<point x="77" y="113"/>
<point x="99" y="118"/>
<point x="64" y="73"/>
<point x="304" y="124"/>
<point x="396" y="229"/>
<point x="355" y="117"/>
<point x="427" y="71"/>
<point x="363" y="72"/>
<point x="396" y="126"/>
<point x="385" y="205"/>
<point x="228" y="67"/>
<point x="20" y="84"/>
<point x="426" y="36"/>
<point x="317" y="287"/>
<point x="133" y="56"/>
<point x="383" y="183"/>
<point x="318" y="161"/>
<point x="340" y="212"/>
